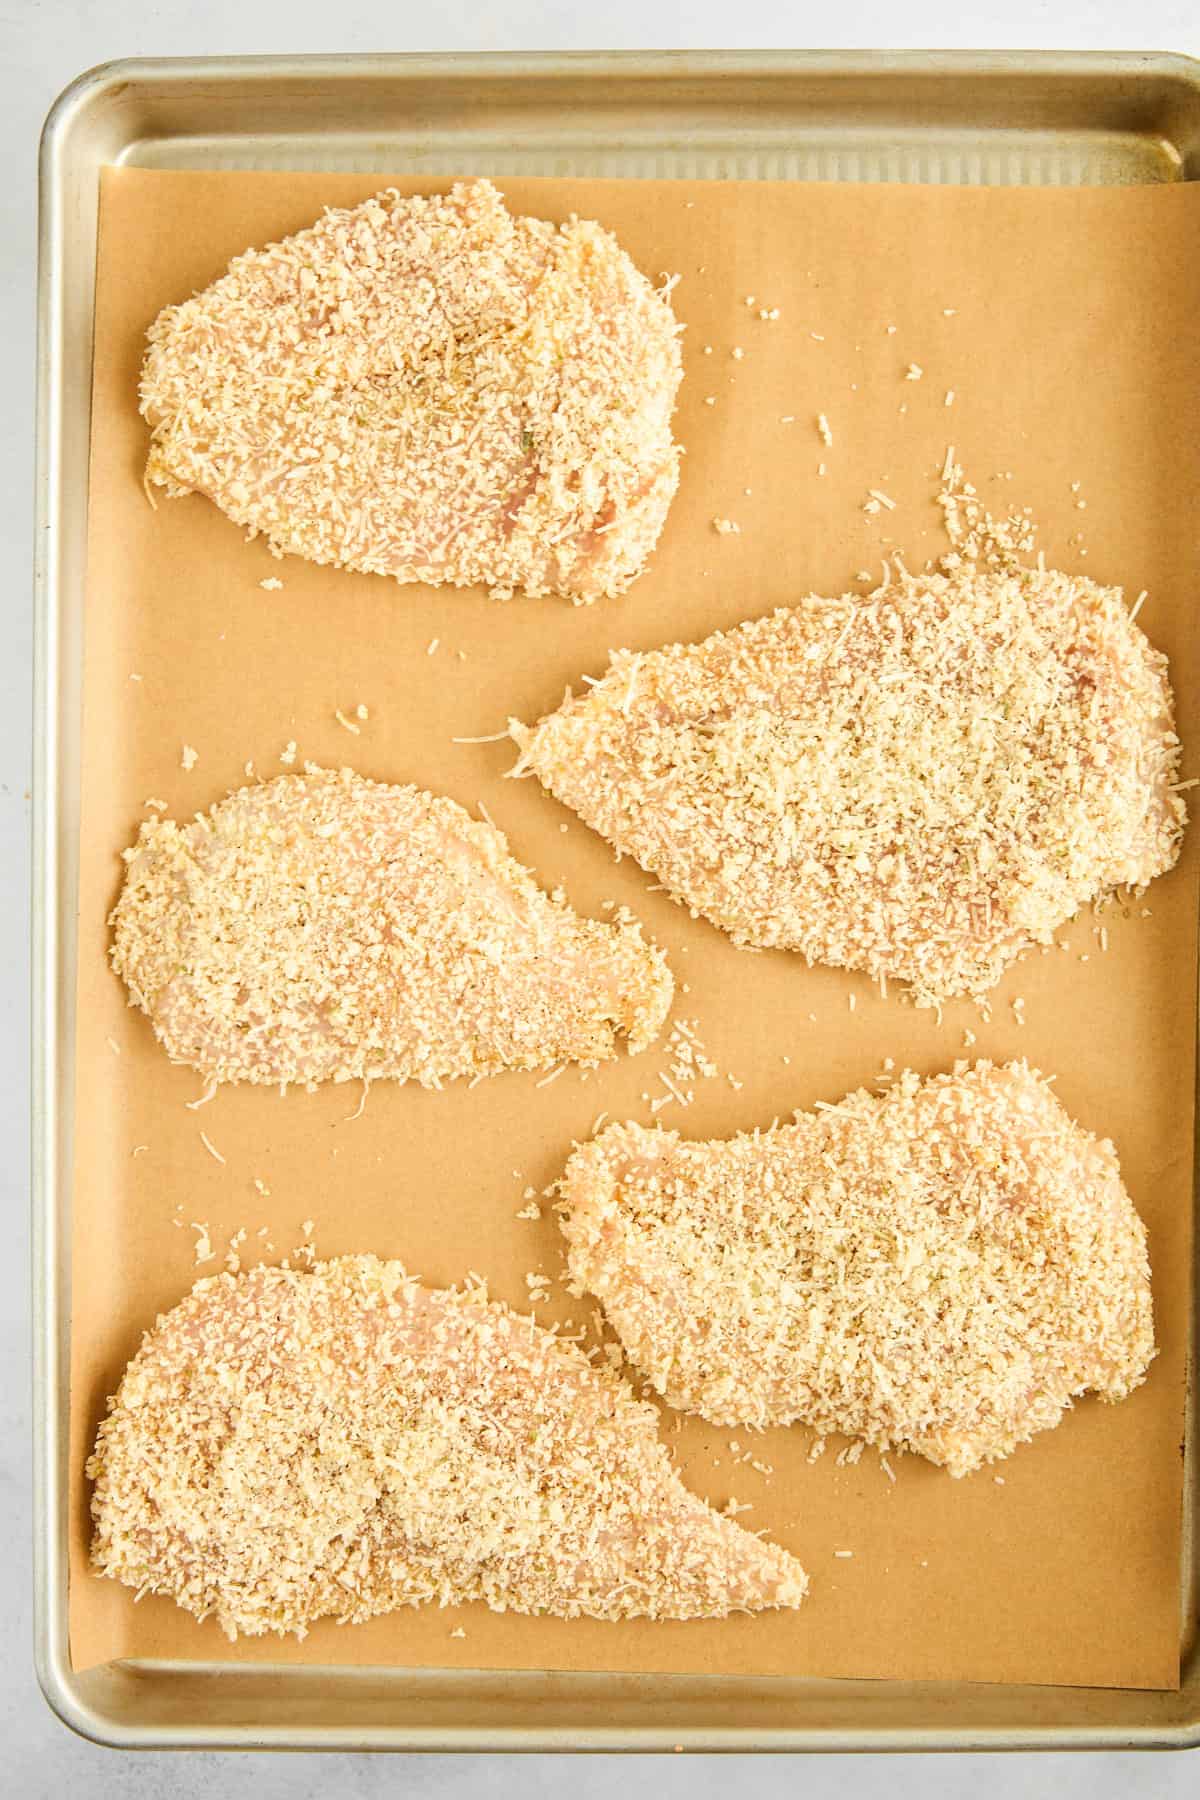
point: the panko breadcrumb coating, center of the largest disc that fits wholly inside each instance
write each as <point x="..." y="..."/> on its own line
<point x="431" y="389"/>
<point x="921" y="784"/>
<point x="289" y="1446"/>
<point x="941" y="1268"/>
<point x="323" y="926"/>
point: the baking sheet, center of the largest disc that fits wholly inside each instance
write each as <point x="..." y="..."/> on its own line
<point x="1063" y="322"/>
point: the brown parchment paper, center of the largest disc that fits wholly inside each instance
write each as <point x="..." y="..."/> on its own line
<point x="1065" y="323"/>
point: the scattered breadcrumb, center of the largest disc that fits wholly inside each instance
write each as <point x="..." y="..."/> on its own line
<point x="202" y="1249"/>
<point x="361" y="712"/>
<point x="844" y="1553"/>
<point x="432" y="645"/>
<point x="139" y="1149"/>
<point x="188" y="758"/>
<point x="976" y="537"/>
<point x="347" y="724"/>
<point x="823" y="430"/>
<point x="211" y="1148"/>
<point x="458" y="1632"/>
<point x="726" y="526"/>
<point x="913" y="372"/>
<point x="272" y="584"/>
<point x="288" y="753"/>
<point x="949" y="401"/>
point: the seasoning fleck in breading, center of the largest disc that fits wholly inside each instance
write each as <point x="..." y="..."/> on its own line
<point x="431" y="389"/>
<point x="921" y="783"/>
<point x="322" y="926"/>
<point x="941" y="1268"/>
<point x="293" y="1445"/>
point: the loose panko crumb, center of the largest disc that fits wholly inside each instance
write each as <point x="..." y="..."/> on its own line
<point x="291" y="1445"/>
<point x="941" y="1268"/>
<point x="922" y="782"/>
<point x="432" y="389"/>
<point x="271" y="583"/>
<point x="323" y="926"/>
<point x="188" y="758"/>
<point x="976" y="537"/>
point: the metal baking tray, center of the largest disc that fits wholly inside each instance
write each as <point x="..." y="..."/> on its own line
<point x="962" y="118"/>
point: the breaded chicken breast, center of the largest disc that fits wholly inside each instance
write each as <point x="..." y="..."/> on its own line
<point x="294" y="1445"/>
<point x="323" y="926"/>
<point x="943" y="1268"/>
<point x="920" y="784"/>
<point x="431" y="389"/>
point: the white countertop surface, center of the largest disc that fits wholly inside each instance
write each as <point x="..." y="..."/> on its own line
<point x="43" y="45"/>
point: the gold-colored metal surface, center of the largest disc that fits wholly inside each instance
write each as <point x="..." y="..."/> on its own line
<point x="960" y="118"/>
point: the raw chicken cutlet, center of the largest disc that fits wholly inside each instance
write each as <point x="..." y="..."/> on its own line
<point x="942" y="1268"/>
<point x="431" y="389"/>
<point x="289" y="1446"/>
<point x="323" y="926"/>
<point x="921" y="784"/>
